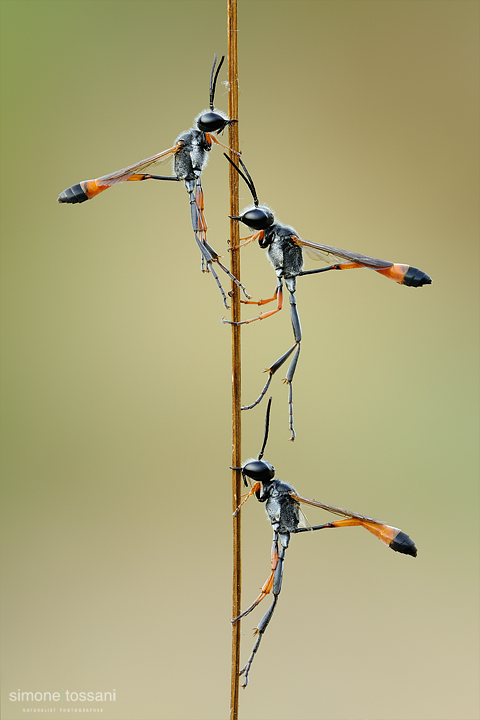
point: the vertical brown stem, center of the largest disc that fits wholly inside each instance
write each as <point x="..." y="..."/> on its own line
<point x="236" y="366"/>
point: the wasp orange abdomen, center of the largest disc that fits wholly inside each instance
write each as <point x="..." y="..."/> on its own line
<point x="87" y="189"/>
<point x="406" y="275"/>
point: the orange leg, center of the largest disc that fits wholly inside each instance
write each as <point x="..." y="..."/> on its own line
<point x="244" y="241"/>
<point x="278" y="295"/>
<point x="385" y="533"/>
<point x="212" y="139"/>
<point x="341" y="266"/>
<point x="267" y="586"/>
<point x="248" y="495"/>
<point x="348" y="266"/>
<point x="202" y="223"/>
<point x="395" y="538"/>
<point x="402" y="274"/>
<point x="262" y="625"/>
<point x="144" y="176"/>
<point x="199" y="225"/>
<point x="260" y="302"/>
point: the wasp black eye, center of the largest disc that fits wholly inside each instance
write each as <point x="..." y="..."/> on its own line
<point x="259" y="470"/>
<point x="259" y="218"/>
<point x="212" y="122"/>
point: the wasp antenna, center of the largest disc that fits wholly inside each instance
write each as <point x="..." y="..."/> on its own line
<point x="267" y="426"/>
<point x="213" y="80"/>
<point x="246" y="177"/>
<point x="249" y="183"/>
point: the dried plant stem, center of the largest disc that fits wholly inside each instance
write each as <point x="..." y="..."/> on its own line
<point x="236" y="367"/>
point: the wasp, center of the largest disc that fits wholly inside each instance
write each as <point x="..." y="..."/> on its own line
<point x="285" y="250"/>
<point x="190" y="155"/>
<point x="282" y="505"/>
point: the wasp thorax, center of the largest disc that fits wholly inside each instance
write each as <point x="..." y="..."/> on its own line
<point x="212" y="122"/>
<point x="258" y="218"/>
<point x="259" y="470"/>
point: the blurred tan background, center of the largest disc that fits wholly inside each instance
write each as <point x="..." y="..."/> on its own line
<point x="358" y="122"/>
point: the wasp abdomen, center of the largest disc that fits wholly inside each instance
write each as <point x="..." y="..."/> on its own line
<point x="74" y="194"/>
<point x="405" y="275"/>
<point x="403" y="544"/>
<point x="416" y="278"/>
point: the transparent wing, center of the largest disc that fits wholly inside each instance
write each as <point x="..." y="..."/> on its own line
<point x="304" y="521"/>
<point x="335" y="510"/>
<point x="140" y="167"/>
<point x="333" y="256"/>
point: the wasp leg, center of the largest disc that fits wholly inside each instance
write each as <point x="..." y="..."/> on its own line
<point x="278" y="295"/>
<point x="207" y="261"/>
<point x="154" y="177"/>
<point x="297" y="334"/>
<point x="232" y="278"/>
<point x="213" y="139"/>
<point x="402" y="274"/>
<point x="255" y="488"/>
<point x="395" y="538"/>
<point x="345" y="266"/>
<point x="348" y="522"/>
<point x="266" y="588"/>
<point x="199" y="225"/>
<point x="289" y="380"/>
<point x="271" y="370"/>
<point x="244" y="241"/>
<point x="261" y="302"/>
<point x="267" y="585"/>
<point x="259" y="631"/>
<point x="199" y="205"/>
<point x="262" y="625"/>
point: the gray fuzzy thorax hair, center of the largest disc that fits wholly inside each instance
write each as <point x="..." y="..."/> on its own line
<point x="285" y="256"/>
<point x="281" y="508"/>
<point x="192" y="157"/>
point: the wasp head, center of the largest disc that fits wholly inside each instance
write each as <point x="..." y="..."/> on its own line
<point x="211" y="121"/>
<point x="259" y="217"/>
<point x="258" y="471"/>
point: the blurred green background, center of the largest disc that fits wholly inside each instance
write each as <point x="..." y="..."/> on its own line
<point x="358" y="122"/>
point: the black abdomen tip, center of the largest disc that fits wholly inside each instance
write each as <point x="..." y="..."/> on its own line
<point x="403" y="544"/>
<point x="74" y="194"/>
<point x="416" y="278"/>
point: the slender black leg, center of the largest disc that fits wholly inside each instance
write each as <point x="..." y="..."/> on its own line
<point x="199" y="225"/>
<point x="396" y="539"/>
<point x="161" y="177"/>
<point x="314" y="527"/>
<point x="268" y="584"/>
<point x="319" y="270"/>
<point x="297" y="334"/>
<point x="207" y="266"/>
<point x="271" y="371"/>
<point x="262" y="625"/>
